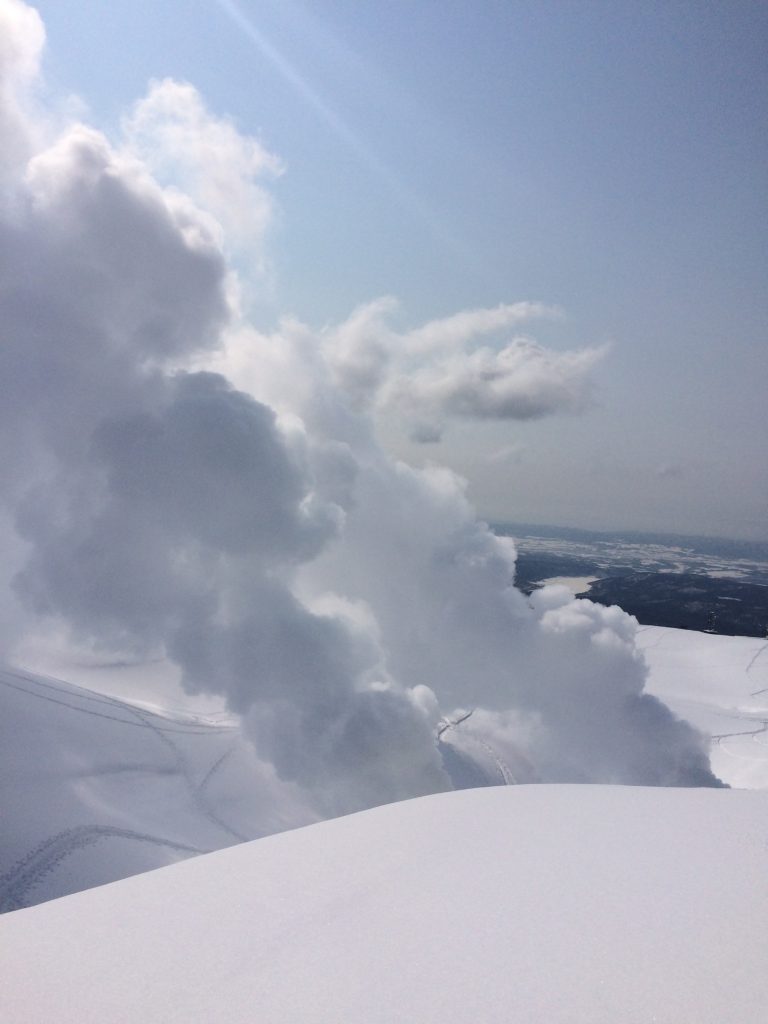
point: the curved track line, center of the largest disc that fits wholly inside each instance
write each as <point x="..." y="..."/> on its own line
<point x="756" y="655"/>
<point x="194" y="789"/>
<point x="192" y="728"/>
<point x="27" y="872"/>
<point x="152" y="722"/>
<point x="214" y="768"/>
<point x="501" y="767"/>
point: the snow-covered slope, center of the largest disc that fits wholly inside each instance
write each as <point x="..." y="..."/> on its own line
<point x="720" y="685"/>
<point x="95" y="787"/>
<point x="531" y="903"/>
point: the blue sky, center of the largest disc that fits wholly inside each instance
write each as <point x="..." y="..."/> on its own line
<point x="605" y="158"/>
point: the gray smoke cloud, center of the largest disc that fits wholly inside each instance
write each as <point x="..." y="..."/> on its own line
<point x="176" y="483"/>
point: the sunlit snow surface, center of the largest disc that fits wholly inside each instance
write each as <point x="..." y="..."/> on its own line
<point x="536" y="903"/>
<point x="542" y="904"/>
<point x="720" y="685"/>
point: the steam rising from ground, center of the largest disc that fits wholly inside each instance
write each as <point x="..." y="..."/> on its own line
<point x="177" y="483"/>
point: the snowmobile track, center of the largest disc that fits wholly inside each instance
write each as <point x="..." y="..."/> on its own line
<point x="192" y="728"/>
<point x="27" y="872"/>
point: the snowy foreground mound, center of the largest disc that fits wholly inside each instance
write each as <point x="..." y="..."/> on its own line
<point x="541" y="903"/>
<point x="529" y="903"/>
<point x="96" y="785"/>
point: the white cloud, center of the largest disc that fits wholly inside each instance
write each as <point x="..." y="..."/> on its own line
<point x="436" y="372"/>
<point x="22" y="37"/>
<point x="171" y="130"/>
<point x="362" y="349"/>
<point x="264" y="541"/>
<point x="521" y="381"/>
<point x="453" y="332"/>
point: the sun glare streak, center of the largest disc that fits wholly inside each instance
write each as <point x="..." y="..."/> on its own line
<point x="407" y="197"/>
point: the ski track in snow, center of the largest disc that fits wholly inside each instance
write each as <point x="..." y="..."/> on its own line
<point x="214" y="768"/>
<point x="30" y="869"/>
<point x="657" y="643"/>
<point x="756" y="656"/>
<point x="747" y="732"/>
<point x="503" y="769"/>
<point x="750" y="666"/>
<point x="195" y="727"/>
<point x="121" y="769"/>
<point x="194" y="789"/>
<point x="43" y="858"/>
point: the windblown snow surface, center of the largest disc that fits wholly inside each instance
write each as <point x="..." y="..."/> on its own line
<point x="529" y="902"/>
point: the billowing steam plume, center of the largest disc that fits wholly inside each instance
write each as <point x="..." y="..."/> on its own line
<point x="177" y="483"/>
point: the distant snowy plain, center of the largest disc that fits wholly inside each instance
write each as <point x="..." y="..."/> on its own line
<point x="537" y="903"/>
